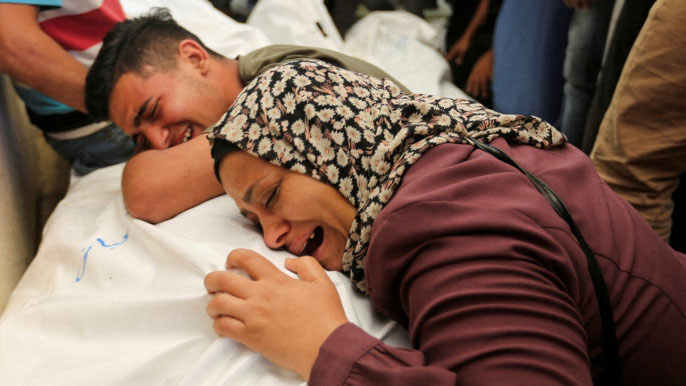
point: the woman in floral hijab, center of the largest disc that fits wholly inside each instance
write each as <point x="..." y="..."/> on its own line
<point x="358" y="134"/>
<point x="454" y="244"/>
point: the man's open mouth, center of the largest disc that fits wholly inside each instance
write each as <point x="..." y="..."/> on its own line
<point x="313" y="242"/>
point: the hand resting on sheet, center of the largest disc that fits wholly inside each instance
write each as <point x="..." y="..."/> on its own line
<point x="285" y="319"/>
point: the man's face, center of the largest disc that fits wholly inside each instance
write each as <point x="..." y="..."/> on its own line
<point x="167" y="108"/>
<point x="294" y="211"/>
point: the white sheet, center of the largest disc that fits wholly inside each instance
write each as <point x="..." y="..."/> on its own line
<point x="402" y="44"/>
<point x="111" y="300"/>
<point x="121" y="301"/>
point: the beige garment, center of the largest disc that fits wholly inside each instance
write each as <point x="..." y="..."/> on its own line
<point x="256" y="62"/>
<point x="33" y="178"/>
<point x="640" y="150"/>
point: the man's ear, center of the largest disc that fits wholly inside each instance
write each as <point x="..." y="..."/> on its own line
<point x="193" y="53"/>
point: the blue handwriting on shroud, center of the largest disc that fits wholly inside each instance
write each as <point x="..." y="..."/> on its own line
<point x="105" y="245"/>
<point x="79" y="275"/>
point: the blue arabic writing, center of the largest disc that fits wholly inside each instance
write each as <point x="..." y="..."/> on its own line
<point x="103" y="244"/>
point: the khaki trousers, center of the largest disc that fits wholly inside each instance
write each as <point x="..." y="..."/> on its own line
<point x="640" y="150"/>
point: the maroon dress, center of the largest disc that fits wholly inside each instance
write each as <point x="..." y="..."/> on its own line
<point x="494" y="289"/>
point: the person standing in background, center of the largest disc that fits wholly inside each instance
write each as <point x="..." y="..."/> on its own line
<point x="528" y="47"/>
<point x="632" y="15"/>
<point x="469" y="42"/>
<point x="640" y="150"/>
<point x="583" y="58"/>
<point x="47" y="46"/>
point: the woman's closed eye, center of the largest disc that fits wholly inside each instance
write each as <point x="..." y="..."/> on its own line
<point x="273" y="196"/>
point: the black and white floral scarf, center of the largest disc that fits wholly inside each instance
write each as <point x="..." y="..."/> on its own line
<point x="357" y="133"/>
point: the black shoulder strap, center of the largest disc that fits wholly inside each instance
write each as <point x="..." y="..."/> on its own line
<point x="613" y="374"/>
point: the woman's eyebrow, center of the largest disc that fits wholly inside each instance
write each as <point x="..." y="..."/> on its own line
<point x="247" y="197"/>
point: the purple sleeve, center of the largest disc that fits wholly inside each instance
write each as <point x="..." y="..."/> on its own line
<point x="351" y="356"/>
<point x="497" y="316"/>
<point x="479" y="271"/>
<point x="492" y="309"/>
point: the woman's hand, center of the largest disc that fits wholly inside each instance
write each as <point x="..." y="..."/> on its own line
<point x="285" y="319"/>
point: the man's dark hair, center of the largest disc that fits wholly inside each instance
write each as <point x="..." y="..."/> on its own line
<point x="144" y="45"/>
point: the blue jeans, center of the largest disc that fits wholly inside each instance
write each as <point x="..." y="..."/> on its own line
<point x="105" y="147"/>
<point x="583" y="58"/>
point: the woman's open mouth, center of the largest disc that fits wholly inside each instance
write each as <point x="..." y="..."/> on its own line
<point x="313" y="242"/>
<point x="188" y="134"/>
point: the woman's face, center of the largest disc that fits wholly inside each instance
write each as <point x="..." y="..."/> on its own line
<point x="295" y="212"/>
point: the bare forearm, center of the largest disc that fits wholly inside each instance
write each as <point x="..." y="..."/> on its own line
<point x="460" y="47"/>
<point x="35" y="59"/>
<point x="478" y="19"/>
<point x="159" y="184"/>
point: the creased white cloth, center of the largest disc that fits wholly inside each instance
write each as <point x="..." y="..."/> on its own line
<point x="113" y="300"/>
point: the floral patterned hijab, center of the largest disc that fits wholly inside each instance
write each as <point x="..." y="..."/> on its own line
<point x="357" y="133"/>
